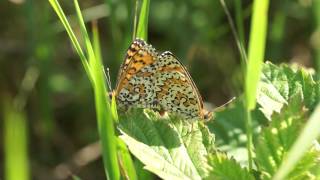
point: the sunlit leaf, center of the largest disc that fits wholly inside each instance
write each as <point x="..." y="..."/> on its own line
<point x="279" y="83"/>
<point x="276" y="140"/>
<point x="227" y="168"/>
<point x="169" y="147"/>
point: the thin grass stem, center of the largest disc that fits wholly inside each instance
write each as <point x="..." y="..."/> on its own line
<point x="57" y="8"/>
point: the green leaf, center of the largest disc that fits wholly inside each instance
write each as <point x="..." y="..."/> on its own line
<point x="306" y="139"/>
<point x="169" y="147"/>
<point x="276" y="140"/>
<point x="227" y="168"/>
<point x="279" y="83"/>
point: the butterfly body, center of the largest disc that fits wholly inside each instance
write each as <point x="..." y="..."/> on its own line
<point x="148" y="79"/>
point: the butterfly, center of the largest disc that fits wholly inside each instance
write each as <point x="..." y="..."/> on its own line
<point x="147" y="79"/>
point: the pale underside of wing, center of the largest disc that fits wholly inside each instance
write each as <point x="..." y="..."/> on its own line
<point x="175" y="90"/>
<point x="160" y="82"/>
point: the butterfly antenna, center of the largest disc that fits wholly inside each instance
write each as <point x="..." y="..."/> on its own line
<point x="223" y="105"/>
<point x="108" y="79"/>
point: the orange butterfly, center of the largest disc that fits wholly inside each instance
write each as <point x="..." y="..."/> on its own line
<point x="158" y="81"/>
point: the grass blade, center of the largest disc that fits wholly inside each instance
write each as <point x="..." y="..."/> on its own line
<point x="103" y="109"/>
<point x="96" y="44"/>
<point x="15" y="142"/>
<point x="85" y="36"/>
<point x="256" y="50"/>
<point x="95" y="73"/>
<point x="254" y="66"/>
<point x="105" y="124"/>
<point x="301" y="145"/>
<point x="57" y="8"/>
<point x="127" y="164"/>
<point x="142" y="29"/>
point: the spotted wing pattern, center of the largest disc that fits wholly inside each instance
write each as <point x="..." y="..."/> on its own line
<point x="161" y="82"/>
<point x="135" y="80"/>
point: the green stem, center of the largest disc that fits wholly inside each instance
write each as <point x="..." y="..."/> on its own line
<point x="15" y="142"/>
<point x="249" y="137"/>
<point x="239" y="21"/>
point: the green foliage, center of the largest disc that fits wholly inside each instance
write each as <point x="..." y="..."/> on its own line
<point x="280" y="83"/>
<point x="293" y="94"/>
<point x="171" y="147"/>
<point x="50" y="116"/>
<point x="92" y="63"/>
<point x="174" y="148"/>
<point x="306" y="139"/>
<point x="276" y="140"/>
<point x="227" y="168"/>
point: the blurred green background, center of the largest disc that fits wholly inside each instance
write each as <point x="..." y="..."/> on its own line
<point x="45" y="97"/>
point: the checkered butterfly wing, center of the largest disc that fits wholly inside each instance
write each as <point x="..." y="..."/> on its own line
<point x="175" y="89"/>
<point x="135" y="79"/>
<point x="149" y="80"/>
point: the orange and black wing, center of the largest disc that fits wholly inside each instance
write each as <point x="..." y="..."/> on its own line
<point x="135" y="80"/>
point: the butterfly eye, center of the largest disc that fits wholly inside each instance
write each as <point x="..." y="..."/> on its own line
<point x="207" y="115"/>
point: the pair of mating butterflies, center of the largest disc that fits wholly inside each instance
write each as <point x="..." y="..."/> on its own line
<point x="148" y="79"/>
